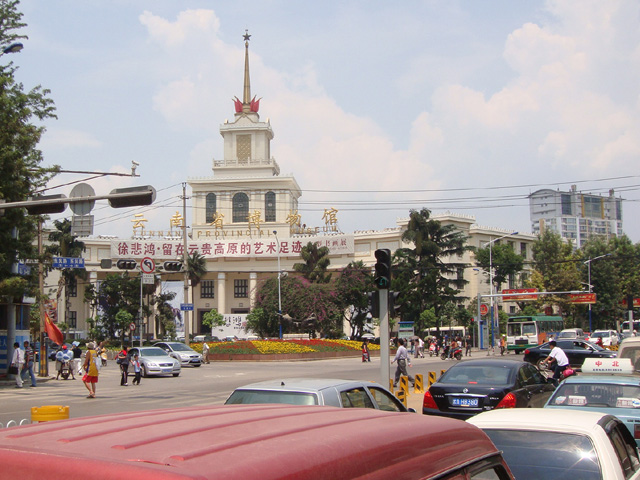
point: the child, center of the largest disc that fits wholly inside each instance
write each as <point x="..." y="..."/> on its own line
<point x="136" y="369"/>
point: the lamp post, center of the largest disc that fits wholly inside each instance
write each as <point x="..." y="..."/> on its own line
<point x="279" y="289"/>
<point x="588" y="264"/>
<point x="13" y="48"/>
<point x="493" y="320"/>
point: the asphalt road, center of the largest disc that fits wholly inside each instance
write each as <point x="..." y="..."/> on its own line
<point x="208" y="384"/>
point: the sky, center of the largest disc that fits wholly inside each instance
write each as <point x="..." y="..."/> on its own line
<point x="377" y="107"/>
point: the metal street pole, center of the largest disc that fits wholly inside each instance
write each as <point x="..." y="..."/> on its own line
<point x="279" y="289"/>
<point x="185" y="258"/>
<point x="384" y="337"/>
<point x="588" y="262"/>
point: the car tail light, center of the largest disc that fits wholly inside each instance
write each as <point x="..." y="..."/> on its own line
<point x="509" y="401"/>
<point x="526" y="351"/>
<point x="636" y="431"/>
<point x="429" y="402"/>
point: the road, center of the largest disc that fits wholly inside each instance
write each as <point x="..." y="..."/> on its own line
<point x="209" y="384"/>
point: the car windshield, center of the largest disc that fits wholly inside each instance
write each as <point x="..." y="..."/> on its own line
<point x="477" y="374"/>
<point x="153" y="352"/>
<point x="600" y="335"/>
<point x="180" y="347"/>
<point x="567" y="335"/>
<point x="549" y="455"/>
<point x="597" y="395"/>
<point x="245" y="397"/>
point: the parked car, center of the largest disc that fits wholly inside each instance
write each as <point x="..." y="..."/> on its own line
<point x="244" y="441"/>
<point x="474" y="386"/>
<point x="318" y="391"/>
<point x="186" y="355"/>
<point x="155" y="361"/>
<point x="206" y="338"/>
<point x="615" y="394"/>
<point x="609" y="337"/>
<point x="630" y="348"/>
<point x="562" y="444"/>
<point x="570" y="333"/>
<point x="576" y="350"/>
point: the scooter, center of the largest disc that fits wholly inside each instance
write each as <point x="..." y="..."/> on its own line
<point x="64" y="357"/>
<point x="457" y="353"/>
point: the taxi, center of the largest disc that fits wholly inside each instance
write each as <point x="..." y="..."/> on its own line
<point x="606" y="385"/>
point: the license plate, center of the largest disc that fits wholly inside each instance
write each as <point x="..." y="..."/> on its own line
<point x="464" y="402"/>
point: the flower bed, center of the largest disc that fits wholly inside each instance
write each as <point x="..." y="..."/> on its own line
<point x="283" y="349"/>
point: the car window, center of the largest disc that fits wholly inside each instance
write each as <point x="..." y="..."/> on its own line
<point x="477" y="374"/>
<point x="153" y="352"/>
<point x="565" y="345"/>
<point x="523" y="377"/>
<point x="356" y="398"/>
<point x="597" y="395"/>
<point x="547" y="455"/>
<point x="529" y="375"/>
<point x="385" y="400"/>
<point x="250" y="397"/>
<point x="625" y="448"/>
<point x="538" y="378"/>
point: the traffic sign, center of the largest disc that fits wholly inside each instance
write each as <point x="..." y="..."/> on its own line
<point x="68" y="262"/>
<point x="186" y="307"/>
<point x="132" y="326"/>
<point x="484" y="309"/>
<point x="148" y="279"/>
<point x="147" y="265"/>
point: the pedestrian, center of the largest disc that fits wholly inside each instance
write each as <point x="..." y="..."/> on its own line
<point x="467" y="346"/>
<point x="92" y="365"/>
<point x="402" y="357"/>
<point x="365" y="351"/>
<point x="503" y="345"/>
<point x="27" y="368"/>
<point x="205" y="352"/>
<point x="123" y="360"/>
<point x="560" y="358"/>
<point x="17" y="360"/>
<point x="102" y="353"/>
<point x="421" y="347"/>
<point x="77" y="358"/>
<point x="135" y="362"/>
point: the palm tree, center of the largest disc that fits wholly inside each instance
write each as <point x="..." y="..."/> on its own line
<point x="196" y="269"/>
<point x="316" y="263"/>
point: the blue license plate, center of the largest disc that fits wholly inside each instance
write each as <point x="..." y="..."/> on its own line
<point x="464" y="402"/>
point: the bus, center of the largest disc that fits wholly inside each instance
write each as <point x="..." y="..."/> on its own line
<point x="448" y="331"/>
<point x="529" y="331"/>
<point x="625" y="326"/>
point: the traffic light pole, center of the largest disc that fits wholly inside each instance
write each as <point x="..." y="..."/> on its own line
<point x="384" y="338"/>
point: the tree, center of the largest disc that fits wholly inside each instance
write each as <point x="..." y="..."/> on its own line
<point x="425" y="275"/>
<point x="316" y="262"/>
<point x="21" y="175"/>
<point x="351" y="287"/>
<point x="196" y="269"/>
<point x="504" y="261"/>
<point x="213" y="319"/>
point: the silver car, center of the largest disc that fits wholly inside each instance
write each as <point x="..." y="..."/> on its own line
<point x="187" y="356"/>
<point x="155" y="361"/>
<point x="318" y="391"/>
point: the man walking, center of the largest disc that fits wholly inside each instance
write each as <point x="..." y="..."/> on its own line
<point x="17" y="361"/>
<point x="27" y="368"/>
<point x="402" y="357"/>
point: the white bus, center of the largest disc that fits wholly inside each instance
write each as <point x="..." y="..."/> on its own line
<point x="448" y="331"/>
<point x="529" y="331"/>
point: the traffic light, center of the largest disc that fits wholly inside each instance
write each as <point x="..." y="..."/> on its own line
<point x="374" y="304"/>
<point x="383" y="268"/>
<point x="172" y="266"/>
<point x="126" y="264"/>
<point x="394" y="307"/>
<point x="132" y="196"/>
<point x="46" y="204"/>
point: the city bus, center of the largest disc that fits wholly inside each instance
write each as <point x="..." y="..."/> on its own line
<point x="448" y="331"/>
<point x="529" y="331"/>
<point x="625" y="326"/>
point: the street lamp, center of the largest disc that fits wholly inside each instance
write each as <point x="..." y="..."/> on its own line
<point x="493" y="320"/>
<point x="13" y="48"/>
<point x="588" y="264"/>
<point x="279" y="289"/>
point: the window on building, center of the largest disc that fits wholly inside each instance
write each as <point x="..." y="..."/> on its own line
<point x="243" y="148"/>
<point x="207" y="289"/>
<point x="270" y="207"/>
<point x="72" y="285"/>
<point x="523" y="250"/>
<point x="240" y="207"/>
<point x="592" y="207"/>
<point x="241" y="288"/>
<point x="618" y="209"/>
<point x="210" y="207"/>
<point x="565" y="200"/>
<point x="512" y="281"/>
<point x="72" y="319"/>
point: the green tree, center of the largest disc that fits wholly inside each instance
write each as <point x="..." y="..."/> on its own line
<point x="316" y="262"/>
<point x="351" y="288"/>
<point x="21" y="175"/>
<point x="504" y="261"/>
<point x="196" y="269"/>
<point x="428" y="275"/>
<point x="115" y="294"/>
<point x="597" y="259"/>
<point x="213" y="319"/>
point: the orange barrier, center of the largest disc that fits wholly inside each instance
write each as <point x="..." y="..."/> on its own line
<point x="49" y="413"/>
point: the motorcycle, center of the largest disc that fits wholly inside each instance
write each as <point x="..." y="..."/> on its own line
<point x="64" y="357"/>
<point x="457" y="353"/>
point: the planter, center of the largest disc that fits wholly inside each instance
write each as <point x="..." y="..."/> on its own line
<point x="283" y="357"/>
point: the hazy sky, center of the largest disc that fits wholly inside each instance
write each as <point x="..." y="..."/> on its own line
<point x="377" y="107"/>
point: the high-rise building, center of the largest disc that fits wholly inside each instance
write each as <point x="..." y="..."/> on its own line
<point x="576" y="216"/>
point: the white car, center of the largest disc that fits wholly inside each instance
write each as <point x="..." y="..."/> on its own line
<point x="609" y="337"/>
<point x="186" y="355"/>
<point x="561" y="444"/>
<point x="154" y="361"/>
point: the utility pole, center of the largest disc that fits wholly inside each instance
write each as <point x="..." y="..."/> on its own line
<point x="43" y="368"/>
<point x="185" y="257"/>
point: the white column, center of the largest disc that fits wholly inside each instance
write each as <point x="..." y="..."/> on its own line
<point x="253" y="282"/>
<point x="221" y="293"/>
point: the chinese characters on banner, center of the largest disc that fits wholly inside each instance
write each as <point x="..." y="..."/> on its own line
<point x="249" y="248"/>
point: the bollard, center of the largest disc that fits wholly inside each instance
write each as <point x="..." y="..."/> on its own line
<point x="432" y="378"/>
<point x="442" y="372"/>
<point x="391" y="384"/>
<point x="418" y="386"/>
<point x="402" y="396"/>
<point x="49" y="412"/>
<point x="404" y="384"/>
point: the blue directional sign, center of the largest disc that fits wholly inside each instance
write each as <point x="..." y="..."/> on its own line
<point x="23" y="269"/>
<point x="68" y="262"/>
<point x="186" y="307"/>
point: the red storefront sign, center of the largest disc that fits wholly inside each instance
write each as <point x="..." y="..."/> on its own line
<point x="636" y="303"/>
<point x="582" y="298"/>
<point x="518" y="294"/>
